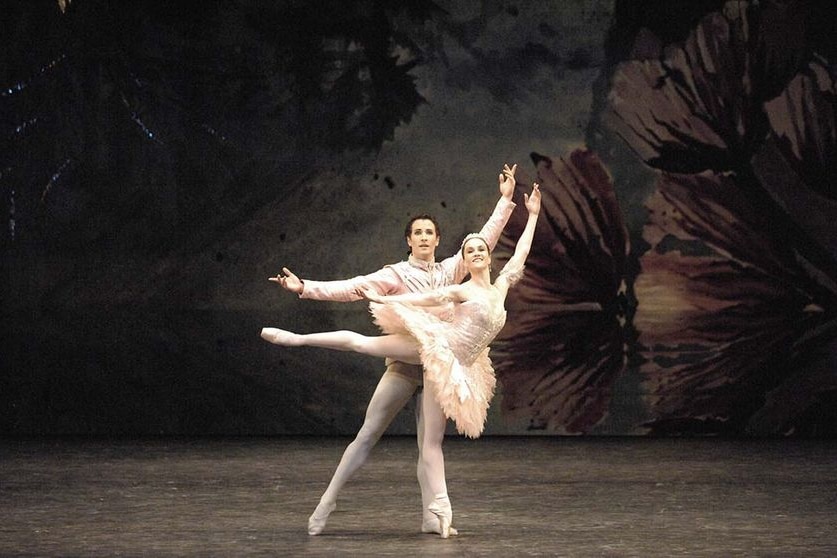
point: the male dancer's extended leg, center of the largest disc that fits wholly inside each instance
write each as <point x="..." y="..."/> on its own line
<point x="390" y="396"/>
<point x="434" y="461"/>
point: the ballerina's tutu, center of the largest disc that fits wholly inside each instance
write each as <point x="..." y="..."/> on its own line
<point x="454" y="354"/>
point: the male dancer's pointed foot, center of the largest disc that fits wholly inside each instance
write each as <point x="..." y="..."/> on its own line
<point x="280" y="336"/>
<point x="318" y="519"/>
<point x="440" y="507"/>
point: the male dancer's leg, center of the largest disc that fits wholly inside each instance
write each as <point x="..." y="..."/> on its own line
<point x="391" y="394"/>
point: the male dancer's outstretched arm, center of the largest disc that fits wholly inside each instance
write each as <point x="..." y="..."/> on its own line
<point x="389" y="280"/>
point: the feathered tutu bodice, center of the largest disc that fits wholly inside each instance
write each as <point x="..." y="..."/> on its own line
<point x="453" y="343"/>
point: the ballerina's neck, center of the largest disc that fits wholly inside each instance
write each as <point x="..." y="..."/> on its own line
<point x="481" y="278"/>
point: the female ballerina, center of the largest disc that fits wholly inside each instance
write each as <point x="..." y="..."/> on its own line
<point x="452" y="345"/>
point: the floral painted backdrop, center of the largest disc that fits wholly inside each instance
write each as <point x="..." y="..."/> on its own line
<point x="162" y="159"/>
<point x="726" y="309"/>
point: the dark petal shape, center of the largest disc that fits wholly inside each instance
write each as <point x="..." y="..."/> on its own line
<point x="804" y="122"/>
<point x="797" y="165"/>
<point x="581" y="243"/>
<point x="777" y="44"/>
<point x="726" y="308"/>
<point x="712" y="209"/>
<point x="812" y="381"/>
<point x="796" y="202"/>
<point x="557" y="366"/>
<point x="562" y="347"/>
<point x="700" y="106"/>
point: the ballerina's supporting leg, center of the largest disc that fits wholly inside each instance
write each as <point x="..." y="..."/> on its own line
<point x="429" y="523"/>
<point x="398" y="347"/>
<point x="434" y="461"/>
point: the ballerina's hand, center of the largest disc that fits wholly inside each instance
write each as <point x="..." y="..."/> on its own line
<point x="533" y="202"/>
<point x="368" y="294"/>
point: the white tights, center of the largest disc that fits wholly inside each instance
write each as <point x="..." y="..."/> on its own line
<point x="390" y="396"/>
<point x="394" y="346"/>
<point x="431" y="456"/>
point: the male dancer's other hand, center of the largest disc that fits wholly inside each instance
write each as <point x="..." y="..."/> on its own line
<point x="507" y="182"/>
<point x="289" y="281"/>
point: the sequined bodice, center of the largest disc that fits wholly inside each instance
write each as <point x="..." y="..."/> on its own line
<point x="475" y="324"/>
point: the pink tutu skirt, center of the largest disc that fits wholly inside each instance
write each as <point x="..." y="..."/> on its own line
<point x="463" y="390"/>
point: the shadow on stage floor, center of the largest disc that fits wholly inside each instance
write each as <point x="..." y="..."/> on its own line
<point x="511" y="496"/>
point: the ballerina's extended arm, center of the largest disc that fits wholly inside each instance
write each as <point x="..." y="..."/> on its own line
<point x="437" y="297"/>
<point x="524" y="243"/>
<point x="397" y="346"/>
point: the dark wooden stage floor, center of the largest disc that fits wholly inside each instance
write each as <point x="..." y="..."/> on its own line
<point x="511" y="496"/>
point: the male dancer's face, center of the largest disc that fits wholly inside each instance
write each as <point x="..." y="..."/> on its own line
<point x="423" y="240"/>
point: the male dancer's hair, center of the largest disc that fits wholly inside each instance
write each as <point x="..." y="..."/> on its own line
<point x="409" y="228"/>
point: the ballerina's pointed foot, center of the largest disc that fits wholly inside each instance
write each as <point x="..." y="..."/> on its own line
<point x="280" y="336"/>
<point x="433" y="526"/>
<point x="440" y="507"/>
<point x="318" y="519"/>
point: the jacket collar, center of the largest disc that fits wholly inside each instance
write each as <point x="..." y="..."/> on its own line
<point x="421" y="264"/>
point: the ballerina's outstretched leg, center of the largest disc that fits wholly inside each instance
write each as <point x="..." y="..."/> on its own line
<point x="379" y="414"/>
<point x="395" y="346"/>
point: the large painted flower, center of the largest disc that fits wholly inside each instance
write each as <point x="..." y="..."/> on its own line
<point x="563" y="345"/>
<point x="737" y="294"/>
<point x="728" y="308"/>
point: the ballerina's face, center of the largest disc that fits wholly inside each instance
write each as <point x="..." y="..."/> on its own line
<point x="423" y="239"/>
<point x="476" y="254"/>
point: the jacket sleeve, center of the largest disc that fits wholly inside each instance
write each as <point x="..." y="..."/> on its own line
<point x="490" y="231"/>
<point x="384" y="281"/>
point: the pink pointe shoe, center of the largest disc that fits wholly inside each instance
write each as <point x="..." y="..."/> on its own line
<point x="433" y="526"/>
<point x="440" y="507"/>
<point x="279" y="336"/>
<point x="318" y="519"/>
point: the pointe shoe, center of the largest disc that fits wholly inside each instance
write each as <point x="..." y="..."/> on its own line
<point x="317" y="522"/>
<point x="440" y="507"/>
<point x="279" y="336"/>
<point x="432" y="526"/>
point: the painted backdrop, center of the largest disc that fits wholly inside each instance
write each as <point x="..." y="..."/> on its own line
<point x="160" y="160"/>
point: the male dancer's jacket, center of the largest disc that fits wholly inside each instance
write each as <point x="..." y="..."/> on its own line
<point x="412" y="275"/>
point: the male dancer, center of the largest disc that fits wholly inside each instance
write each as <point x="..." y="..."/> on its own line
<point x="399" y="382"/>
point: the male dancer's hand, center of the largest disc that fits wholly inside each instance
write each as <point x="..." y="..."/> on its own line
<point x="507" y="182"/>
<point x="289" y="281"/>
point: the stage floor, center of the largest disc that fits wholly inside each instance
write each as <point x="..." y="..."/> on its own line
<point x="511" y="496"/>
